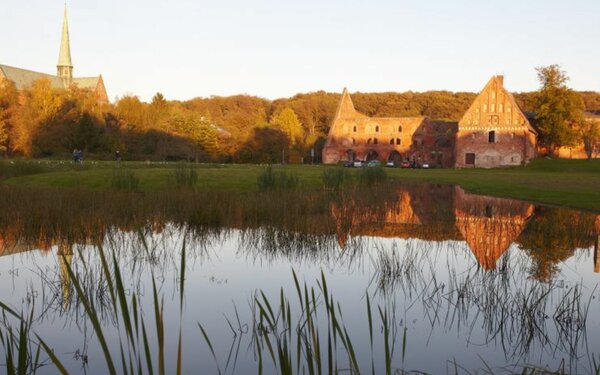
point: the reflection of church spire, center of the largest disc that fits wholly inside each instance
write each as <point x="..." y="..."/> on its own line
<point x="489" y="225"/>
<point x="65" y="258"/>
<point x="597" y="246"/>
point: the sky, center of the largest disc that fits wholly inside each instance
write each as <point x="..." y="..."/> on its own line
<point x="277" y="48"/>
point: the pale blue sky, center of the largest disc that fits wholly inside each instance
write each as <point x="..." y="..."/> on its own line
<point x="269" y="48"/>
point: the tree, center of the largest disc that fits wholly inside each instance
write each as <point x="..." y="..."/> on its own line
<point x="288" y="122"/>
<point x="589" y="134"/>
<point x="9" y="99"/>
<point x="558" y="108"/>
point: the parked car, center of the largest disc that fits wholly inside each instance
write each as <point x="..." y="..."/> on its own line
<point x="358" y="164"/>
<point x="374" y="163"/>
<point x="405" y="164"/>
<point x="349" y="164"/>
<point x="425" y="165"/>
<point x="390" y="164"/>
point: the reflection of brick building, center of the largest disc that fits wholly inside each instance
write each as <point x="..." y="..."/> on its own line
<point x="354" y="136"/>
<point x="494" y="132"/>
<point x="489" y="225"/>
<point x="64" y="78"/>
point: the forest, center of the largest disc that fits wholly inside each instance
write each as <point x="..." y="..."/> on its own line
<point x="45" y="122"/>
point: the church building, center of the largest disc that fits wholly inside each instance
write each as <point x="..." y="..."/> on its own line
<point x="63" y="79"/>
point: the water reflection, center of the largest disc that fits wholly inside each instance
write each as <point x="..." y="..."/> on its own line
<point x="494" y="272"/>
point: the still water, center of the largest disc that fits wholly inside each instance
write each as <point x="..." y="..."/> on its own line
<point x="467" y="283"/>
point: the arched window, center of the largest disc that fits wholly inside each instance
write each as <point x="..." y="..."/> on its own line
<point x="354" y="129"/>
<point x="392" y="141"/>
<point x="399" y="129"/>
<point x="369" y="141"/>
<point x="398" y="141"/>
<point x="375" y="141"/>
<point x="377" y="129"/>
<point x="353" y="141"/>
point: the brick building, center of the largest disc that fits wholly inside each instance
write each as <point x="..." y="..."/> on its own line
<point x="63" y="79"/>
<point x="355" y="136"/>
<point x="494" y="132"/>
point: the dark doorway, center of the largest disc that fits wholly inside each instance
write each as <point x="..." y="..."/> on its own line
<point x="372" y="155"/>
<point x="470" y="158"/>
<point x="492" y="137"/>
<point x="396" y="158"/>
<point x="350" y="155"/>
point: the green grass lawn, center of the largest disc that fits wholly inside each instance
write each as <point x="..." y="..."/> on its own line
<point x="572" y="183"/>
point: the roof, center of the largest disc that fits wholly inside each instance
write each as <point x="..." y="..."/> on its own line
<point x="87" y="82"/>
<point x="24" y="78"/>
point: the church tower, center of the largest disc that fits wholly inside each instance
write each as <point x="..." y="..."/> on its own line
<point x="65" y="66"/>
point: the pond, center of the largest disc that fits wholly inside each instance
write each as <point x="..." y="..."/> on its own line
<point x="384" y="279"/>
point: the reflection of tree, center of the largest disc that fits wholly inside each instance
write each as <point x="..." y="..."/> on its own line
<point x="553" y="236"/>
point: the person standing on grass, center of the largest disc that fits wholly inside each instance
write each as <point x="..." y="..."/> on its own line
<point x="117" y="156"/>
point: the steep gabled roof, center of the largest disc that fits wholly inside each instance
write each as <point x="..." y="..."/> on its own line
<point x="24" y="78"/>
<point x="501" y="96"/>
<point x="346" y="107"/>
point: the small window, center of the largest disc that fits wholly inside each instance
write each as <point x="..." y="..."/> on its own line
<point x="493" y="107"/>
<point x="392" y="141"/>
<point x="508" y="108"/>
<point x="377" y="129"/>
<point x="399" y="129"/>
<point x="500" y="107"/>
<point x="485" y="108"/>
<point x="353" y="141"/>
<point x="369" y="141"/>
<point x="493" y="94"/>
<point x="398" y="141"/>
<point x="375" y="141"/>
<point x="470" y="158"/>
<point x="492" y="137"/>
<point x="354" y="129"/>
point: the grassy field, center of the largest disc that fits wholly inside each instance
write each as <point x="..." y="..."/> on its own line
<point x="572" y="183"/>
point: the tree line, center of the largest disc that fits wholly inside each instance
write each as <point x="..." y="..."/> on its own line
<point x="42" y="121"/>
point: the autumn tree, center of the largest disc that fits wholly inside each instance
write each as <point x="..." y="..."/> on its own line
<point x="9" y="99"/>
<point x="558" y="108"/>
<point x="288" y="122"/>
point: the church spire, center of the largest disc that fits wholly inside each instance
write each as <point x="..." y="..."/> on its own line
<point x="65" y="66"/>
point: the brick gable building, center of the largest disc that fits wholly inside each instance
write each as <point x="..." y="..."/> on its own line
<point x="64" y="79"/>
<point x="494" y="132"/>
<point x="355" y="136"/>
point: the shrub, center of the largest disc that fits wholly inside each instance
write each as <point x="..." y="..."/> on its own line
<point x="184" y="176"/>
<point x="125" y="180"/>
<point x="335" y="178"/>
<point x="371" y="175"/>
<point x="268" y="180"/>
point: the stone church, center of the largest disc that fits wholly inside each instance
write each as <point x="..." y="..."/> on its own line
<point x="494" y="132"/>
<point x="63" y="79"/>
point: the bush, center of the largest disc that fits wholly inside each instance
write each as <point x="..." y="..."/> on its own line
<point x="184" y="176"/>
<point x="335" y="178"/>
<point x="268" y="180"/>
<point x="371" y="175"/>
<point x="124" y="179"/>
